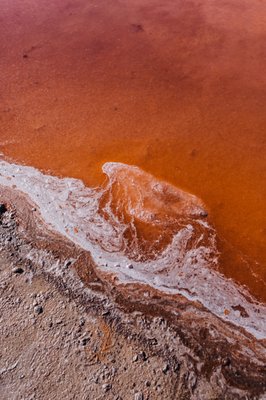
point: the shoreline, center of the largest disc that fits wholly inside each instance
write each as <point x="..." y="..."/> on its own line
<point x="173" y="328"/>
<point x="60" y="200"/>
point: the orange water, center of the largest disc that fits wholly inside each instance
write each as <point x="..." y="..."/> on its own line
<point x="175" y="87"/>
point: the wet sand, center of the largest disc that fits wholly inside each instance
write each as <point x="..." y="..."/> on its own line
<point x="176" y="88"/>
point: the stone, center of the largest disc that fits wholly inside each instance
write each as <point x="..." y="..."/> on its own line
<point x="106" y="387"/>
<point x="226" y="362"/>
<point x="68" y="263"/>
<point x="38" y="310"/>
<point x="159" y="388"/>
<point x="142" y="356"/>
<point x="3" y="208"/>
<point x="18" y="270"/>
<point x="177" y="367"/>
<point x="84" y="341"/>
<point x="138" y="396"/>
<point x="165" y="368"/>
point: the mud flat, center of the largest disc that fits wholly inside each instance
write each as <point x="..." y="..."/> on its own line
<point x="160" y="343"/>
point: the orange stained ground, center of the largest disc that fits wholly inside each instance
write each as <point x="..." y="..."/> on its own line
<point x="176" y="87"/>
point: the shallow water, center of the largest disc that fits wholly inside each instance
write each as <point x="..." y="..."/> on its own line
<point x="141" y="231"/>
<point x="176" y="88"/>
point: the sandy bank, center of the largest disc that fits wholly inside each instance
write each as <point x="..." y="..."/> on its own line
<point x="205" y="357"/>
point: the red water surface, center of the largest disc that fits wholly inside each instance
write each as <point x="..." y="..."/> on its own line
<point x="176" y="87"/>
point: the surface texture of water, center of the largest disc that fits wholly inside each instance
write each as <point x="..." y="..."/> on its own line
<point x="175" y="87"/>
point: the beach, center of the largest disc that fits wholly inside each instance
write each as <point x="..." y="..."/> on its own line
<point x="132" y="200"/>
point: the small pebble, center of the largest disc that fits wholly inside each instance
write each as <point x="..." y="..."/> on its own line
<point x="139" y="396"/>
<point x="2" y="208"/>
<point x="226" y="362"/>
<point x="84" y="341"/>
<point x="165" y="368"/>
<point x="18" y="270"/>
<point x="159" y="388"/>
<point x="106" y="387"/>
<point x="38" y="310"/>
<point x="177" y="367"/>
<point x="143" y="356"/>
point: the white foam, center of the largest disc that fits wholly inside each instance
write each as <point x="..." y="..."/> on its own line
<point x="135" y="219"/>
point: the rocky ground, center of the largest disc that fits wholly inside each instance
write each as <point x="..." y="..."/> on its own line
<point x="52" y="349"/>
<point x="67" y="334"/>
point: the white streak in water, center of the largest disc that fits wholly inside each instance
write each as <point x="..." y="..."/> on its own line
<point x="99" y="219"/>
